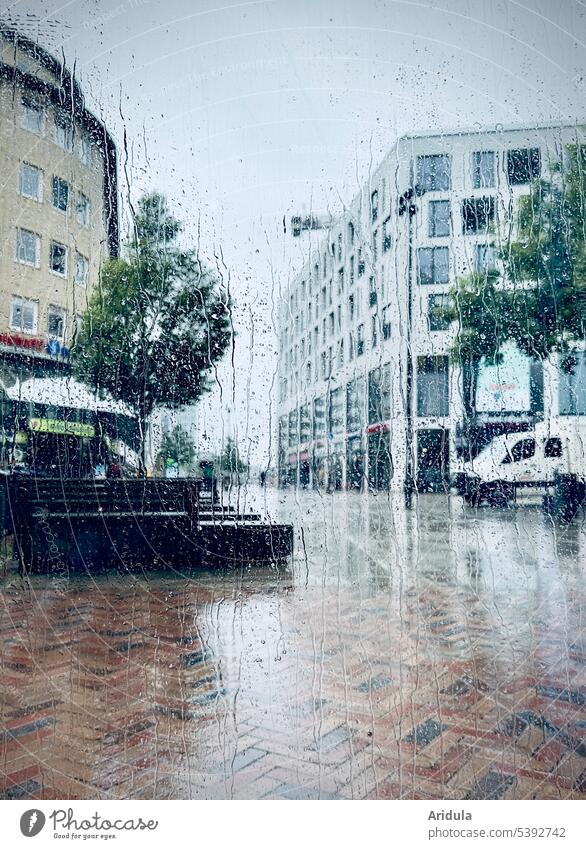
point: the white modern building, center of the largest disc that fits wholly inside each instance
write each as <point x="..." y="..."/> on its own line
<point x="367" y="393"/>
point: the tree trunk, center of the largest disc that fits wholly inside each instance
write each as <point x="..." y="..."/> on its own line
<point x="142" y="432"/>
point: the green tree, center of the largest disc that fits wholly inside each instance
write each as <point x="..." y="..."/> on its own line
<point x="157" y="323"/>
<point x="539" y="301"/>
<point x="176" y="445"/>
<point x="230" y="461"/>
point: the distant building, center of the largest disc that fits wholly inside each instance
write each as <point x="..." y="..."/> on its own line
<point x="58" y="222"/>
<point x="367" y="394"/>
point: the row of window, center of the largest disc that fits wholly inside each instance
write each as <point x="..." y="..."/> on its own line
<point x="522" y="166"/>
<point x="478" y="215"/>
<point x="24" y="318"/>
<point x="432" y="399"/>
<point x="28" y="252"/>
<point x="433" y="269"/>
<point x="347" y="408"/>
<point x="433" y="174"/>
<point x="334" y="356"/>
<point x="348" y="404"/>
<point x="30" y="185"/>
<point x="33" y="118"/>
<point x="433" y="264"/>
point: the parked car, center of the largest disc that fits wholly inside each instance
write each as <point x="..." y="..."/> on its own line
<point x="533" y="459"/>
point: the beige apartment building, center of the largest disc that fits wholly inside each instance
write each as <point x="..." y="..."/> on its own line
<point x="58" y="203"/>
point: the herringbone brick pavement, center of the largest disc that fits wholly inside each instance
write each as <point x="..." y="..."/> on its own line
<point x="369" y="670"/>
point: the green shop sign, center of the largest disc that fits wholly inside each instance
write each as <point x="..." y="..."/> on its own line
<point x="60" y="426"/>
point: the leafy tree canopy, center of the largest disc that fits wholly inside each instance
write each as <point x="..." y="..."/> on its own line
<point x="539" y="301"/>
<point x="157" y="323"/>
<point x="177" y="445"/>
<point x="230" y="459"/>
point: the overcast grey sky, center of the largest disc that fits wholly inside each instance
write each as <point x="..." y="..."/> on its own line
<point x="244" y="112"/>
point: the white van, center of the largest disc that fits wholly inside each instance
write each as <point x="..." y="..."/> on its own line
<point x="511" y="462"/>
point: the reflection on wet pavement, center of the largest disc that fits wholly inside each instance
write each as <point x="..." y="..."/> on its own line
<point x="438" y="654"/>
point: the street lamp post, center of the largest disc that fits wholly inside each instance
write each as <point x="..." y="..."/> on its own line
<point x="407" y="206"/>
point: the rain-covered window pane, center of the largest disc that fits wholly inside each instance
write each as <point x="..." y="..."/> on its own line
<point x="478" y="214"/>
<point x="435" y="317"/>
<point x="433" y="265"/>
<point x="432" y="386"/>
<point x="483" y="169"/>
<point x="30" y="183"/>
<point x="434" y="172"/>
<point x="439" y="218"/>
<point x="572" y="391"/>
<point x="523" y="165"/>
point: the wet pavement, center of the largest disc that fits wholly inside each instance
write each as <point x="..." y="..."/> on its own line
<point x="438" y="653"/>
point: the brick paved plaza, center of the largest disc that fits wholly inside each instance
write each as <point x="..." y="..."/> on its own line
<point x="439" y="654"/>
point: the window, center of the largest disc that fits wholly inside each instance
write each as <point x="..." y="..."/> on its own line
<point x="340" y="281"/>
<point x="553" y="447"/>
<point x="433" y="173"/>
<point x="78" y="325"/>
<point x="293" y="428"/>
<point x="374" y="330"/>
<point x="439" y="218"/>
<point x="341" y="354"/>
<point x="81" y="270"/>
<point x="339" y="247"/>
<point x="484" y="258"/>
<point x="432" y="386"/>
<point x="572" y="376"/>
<point x="30" y="182"/>
<point x="351" y="271"/>
<point x="372" y="296"/>
<point x="351" y="307"/>
<point x="435" y="305"/>
<point x="374" y="246"/>
<point x="32" y="116"/>
<point x="28" y="248"/>
<point x="522" y="450"/>
<point x="85" y="150"/>
<point x="387" y="234"/>
<point x="483" y="169"/>
<point x="58" y="259"/>
<point x="332" y="324"/>
<point x="477" y="214"/>
<point x="351" y="233"/>
<point x="56" y="322"/>
<point x="433" y="264"/>
<point x="23" y="315"/>
<point x="355" y="405"/>
<point x="60" y="194"/>
<point x="63" y="131"/>
<point x="350" y="346"/>
<point x="360" y="263"/>
<point x="319" y="418"/>
<point x="379" y="394"/>
<point x="386" y="323"/>
<point x="374" y="205"/>
<point x="523" y="165"/>
<point x="337" y="410"/>
<point x="360" y="341"/>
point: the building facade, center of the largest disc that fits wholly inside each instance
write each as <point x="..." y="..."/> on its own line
<point x="368" y="395"/>
<point x="58" y="224"/>
<point x="58" y="200"/>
